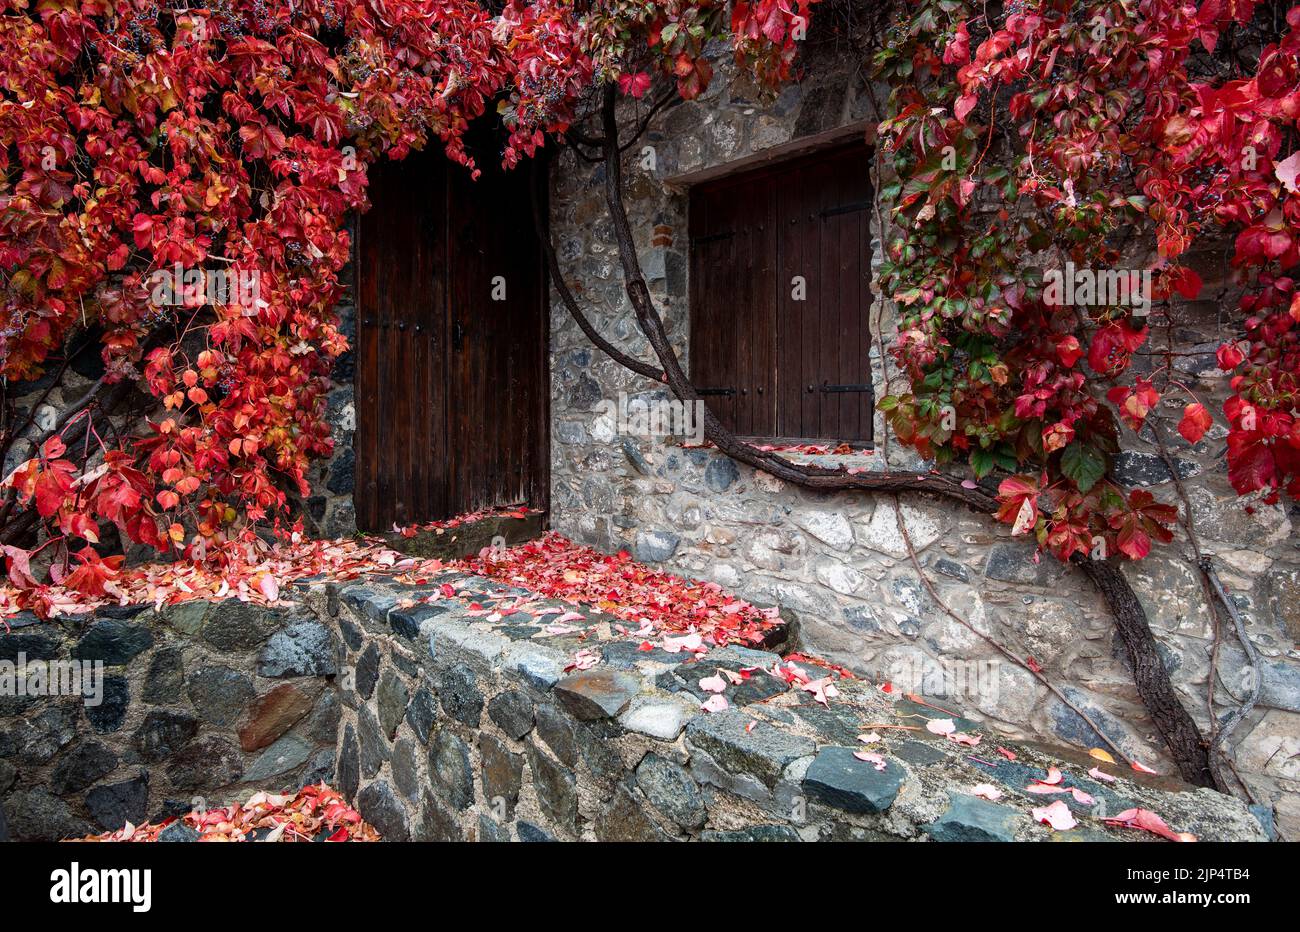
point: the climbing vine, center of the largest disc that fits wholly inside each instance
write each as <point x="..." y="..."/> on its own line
<point x="1056" y="137"/>
<point x="174" y="189"/>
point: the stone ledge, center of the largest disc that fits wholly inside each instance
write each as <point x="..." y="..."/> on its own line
<point x="622" y="750"/>
<point x="445" y="722"/>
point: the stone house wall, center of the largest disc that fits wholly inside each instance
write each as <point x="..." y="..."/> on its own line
<point x="328" y="511"/>
<point x="838" y="560"/>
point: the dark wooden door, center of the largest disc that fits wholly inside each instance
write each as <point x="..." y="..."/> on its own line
<point x="780" y="292"/>
<point x="452" y="374"/>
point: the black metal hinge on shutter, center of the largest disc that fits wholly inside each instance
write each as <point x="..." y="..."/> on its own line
<point x="715" y="391"/>
<point x="828" y="389"/>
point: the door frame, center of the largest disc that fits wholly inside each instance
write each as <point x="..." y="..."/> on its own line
<point x="369" y="350"/>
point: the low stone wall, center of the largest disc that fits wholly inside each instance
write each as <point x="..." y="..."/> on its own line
<point x="464" y="713"/>
<point x="461" y="723"/>
<point x="193" y="705"/>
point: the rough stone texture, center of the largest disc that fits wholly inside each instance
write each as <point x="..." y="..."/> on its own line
<point x="367" y="671"/>
<point x="512" y="711"/>
<point x="166" y="677"/>
<point x="374" y="748"/>
<point x="461" y="698"/>
<point x="392" y="698"/>
<point x="556" y="788"/>
<point x="596" y="694"/>
<point x="233" y="625"/>
<point x="969" y="818"/>
<point x="164" y="733"/>
<point x="558" y="733"/>
<point x="301" y="649"/>
<point x="449" y="770"/>
<point x="210" y="761"/>
<point x="762" y="752"/>
<point x="436" y="767"/>
<point x="662" y="720"/>
<point x="406" y="769"/>
<point x="502" y="774"/>
<point x="286" y="754"/>
<point x="177" y="684"/>
<point x="115" y="804"/>
<point x="81" y="767"/>
<point x="108" y="716"/>
<point x="114" y="642"/>
<point x="838" y="779"/>
<point x="437" y="822"/>
<point x="379" y="806"/>
<point x="626" y="820"/>
<point x="838" y="561"/>
<point x="178" y="832"/>
<point x="671" y="790"/>
<point x="422" y="713"/>
<point x="272" y="715"/>
<point x="35" y="815"/>
<point x="220" y="695"/>
<point x="349" y="766"/>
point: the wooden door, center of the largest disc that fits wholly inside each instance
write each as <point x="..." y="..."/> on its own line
<point x="451" y="380"/>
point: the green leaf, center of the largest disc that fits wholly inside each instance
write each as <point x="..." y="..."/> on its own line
<point x="982" y="462"/>
<point x="1081" y="463"/>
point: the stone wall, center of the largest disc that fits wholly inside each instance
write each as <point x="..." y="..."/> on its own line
<point x="328" y="511"/>
<point x="457" y="710"/>
<point x="838" y="560"/>
<point x="195" y="704"/>
<point x="471" y="724"/>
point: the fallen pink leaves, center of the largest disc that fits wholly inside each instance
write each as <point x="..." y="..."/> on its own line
<point x="871" y="758"/>
<point x="947" y="728"/>
<point x="249" y="570"/>
<point x="1148" y="821"/>
<point x="584" y="659"/>
<point x="986" y="791"/>
<point x="715" y="703"/>
<point x="1057" y="815"/>
<point x="441" y="527"/>
<point x="314" y="810"/>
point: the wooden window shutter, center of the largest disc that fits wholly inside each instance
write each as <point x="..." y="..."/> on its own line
<point x="780" y="296"/>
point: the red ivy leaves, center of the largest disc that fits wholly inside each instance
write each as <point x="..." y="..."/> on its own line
<point x="979" y="338"/>
<point x="1195" y="422"/>
<point x="238" y="138"/>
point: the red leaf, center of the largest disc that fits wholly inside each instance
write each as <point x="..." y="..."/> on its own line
<point x="1196" y="421"/>
<point x="1229" y="357"/>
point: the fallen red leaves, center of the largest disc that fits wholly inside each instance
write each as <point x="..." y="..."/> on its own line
<point x="509" y="511"/>
<point x="314" y="811"/>
<point x="557" y="568"/>
<point x="252" y="571"/>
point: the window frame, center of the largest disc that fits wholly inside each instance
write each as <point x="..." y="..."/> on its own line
<point x="760" y="206"/>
